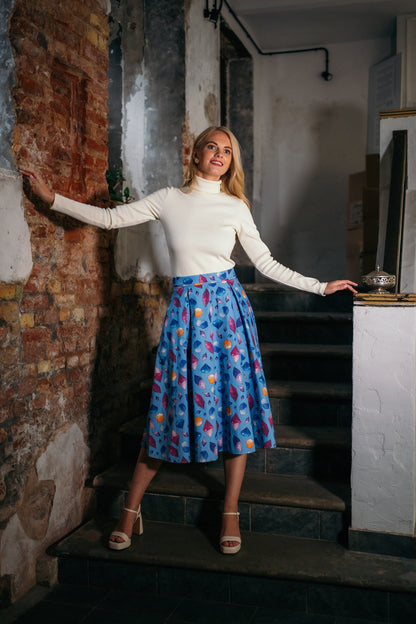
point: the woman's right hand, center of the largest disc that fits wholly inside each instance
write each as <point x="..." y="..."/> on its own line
<point x="39" y="187"/>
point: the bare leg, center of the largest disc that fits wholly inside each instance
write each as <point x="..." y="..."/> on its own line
<point x="146" y="468"/>
<point x="234" y="467"/>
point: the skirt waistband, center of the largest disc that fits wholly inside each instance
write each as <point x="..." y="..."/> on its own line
<point x="205" y="278"/>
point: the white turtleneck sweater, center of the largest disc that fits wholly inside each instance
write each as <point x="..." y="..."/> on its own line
<point x="200" y="227"/>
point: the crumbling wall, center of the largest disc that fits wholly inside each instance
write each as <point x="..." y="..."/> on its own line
<point x="75" y="340"/>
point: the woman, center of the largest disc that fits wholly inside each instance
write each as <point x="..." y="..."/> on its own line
<point x="209" y="393"/>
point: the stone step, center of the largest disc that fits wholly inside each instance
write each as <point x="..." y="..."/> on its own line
<point x="273" y="297"/>
<point x="320" y="452"/>
<point x="305" y="327"/>
<point x="306" y="403"/>
<point x="307" y="362"/>
<point x="291" y="389"/>
<point x="279" y="504"/>
<point x="288" y="436"/>
<point x="298" y="580"/>
<point x="323" y="452"/>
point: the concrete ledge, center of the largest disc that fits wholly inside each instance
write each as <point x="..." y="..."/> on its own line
<point x="385" y="299"/>
<point x="379" y="543"/>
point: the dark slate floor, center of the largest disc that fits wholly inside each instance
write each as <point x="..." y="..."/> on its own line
<point x="173" y="574"/>
<point x="70" y="604"/>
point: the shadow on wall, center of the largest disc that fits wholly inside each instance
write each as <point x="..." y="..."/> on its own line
<point x="319" y="157"/>
<point x="88" y="352"/>
<point x="128" y="333"/>
<point x="108" y="330"/>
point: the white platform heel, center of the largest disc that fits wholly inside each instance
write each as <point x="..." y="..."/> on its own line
<point x="137" y="530"/>
<point x="230" y="550"/>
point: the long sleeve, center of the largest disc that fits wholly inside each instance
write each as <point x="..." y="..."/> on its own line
<point x="125" y="215"/>
<point x="260" y="255"/>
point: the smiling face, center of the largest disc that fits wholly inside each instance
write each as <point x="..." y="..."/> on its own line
<point x="214" y="157"/>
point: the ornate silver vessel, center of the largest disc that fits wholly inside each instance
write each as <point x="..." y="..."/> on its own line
<point x="379" y="281"/>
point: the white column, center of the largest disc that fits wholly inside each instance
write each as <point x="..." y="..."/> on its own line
<point x="384" y="411"/>
<point x="408" y="260"/>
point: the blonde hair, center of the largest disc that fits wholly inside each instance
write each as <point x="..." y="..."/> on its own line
<point x="232" y="182"/>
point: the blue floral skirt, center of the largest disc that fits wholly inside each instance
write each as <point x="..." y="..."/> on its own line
<point x="209" y="393"/>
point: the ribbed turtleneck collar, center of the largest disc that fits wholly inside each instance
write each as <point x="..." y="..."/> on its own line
<point x="207" y="186"/>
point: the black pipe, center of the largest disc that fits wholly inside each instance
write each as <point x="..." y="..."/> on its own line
<point x="326" y="75"/>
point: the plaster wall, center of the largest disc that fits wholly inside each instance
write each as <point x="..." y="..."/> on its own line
<point x="6" y="83"/>
<point x="202" y="85"/>
<point x="406" y="46"/>
<point x="311" y="135"/>
<point x="154" y="92"/>
<point x="15" y="248"/>
<point x="44" y="514"/>
<point x="384" y="409"/>
<point x="256" y="150"/>
<point x="164" y="107"/>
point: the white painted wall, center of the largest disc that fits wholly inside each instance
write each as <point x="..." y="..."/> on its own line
<point x="202" y="70"/>
<point x="311" y="135"/>
<point x="15" y="249"/>
<point x="384" y="409"/>
<point x="406" y="46"/>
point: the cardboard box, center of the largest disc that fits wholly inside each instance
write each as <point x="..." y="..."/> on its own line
<point x="372" y="166"/>
<point x="355" y="187"/>
<point x="357" y="182"/>
<point x="355" y="214"/>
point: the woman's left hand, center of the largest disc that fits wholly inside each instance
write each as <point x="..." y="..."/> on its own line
<point x="332" y="287"/>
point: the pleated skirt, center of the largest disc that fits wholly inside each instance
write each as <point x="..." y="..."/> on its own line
<point x="209" y="392"/>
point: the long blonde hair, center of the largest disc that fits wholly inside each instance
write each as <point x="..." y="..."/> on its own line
<point x="232" y="182"/>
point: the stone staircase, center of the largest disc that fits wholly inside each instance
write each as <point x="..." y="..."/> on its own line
<point x="294" y="502"/>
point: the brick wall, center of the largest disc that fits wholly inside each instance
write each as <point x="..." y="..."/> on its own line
<point x="75" y="341"/>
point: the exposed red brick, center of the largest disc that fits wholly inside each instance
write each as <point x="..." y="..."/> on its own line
<point x="4" y="413"/>
<point x="18" y="409"/>
<point x="9" y="358"/>
<point x="47" y="317"/>
<point x="31" y="303"/>
<point x="31" y="86"/>
<point x="74" y="236"/>
<point x="4" y="335"/>
<point x="34" y="342"/>
<point x="44" y="385"/>
<point x="7" y="395"/>
<point x="67" y="36"/>
<point x="39" y="402"/>
<point x="61" y="131"/>
<point x="40" y="231"/>
<point x="60" y="380"/>
<point x="27" y="386"/>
